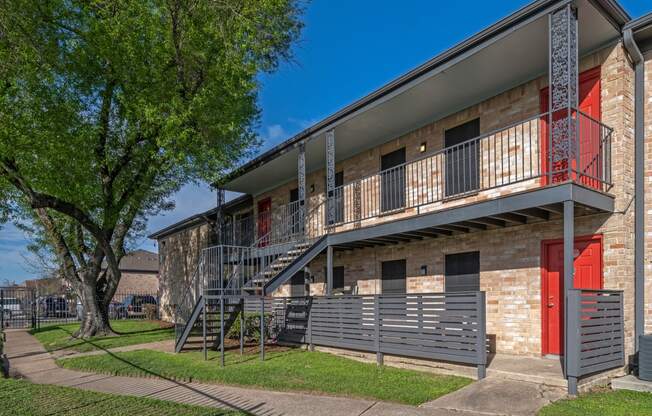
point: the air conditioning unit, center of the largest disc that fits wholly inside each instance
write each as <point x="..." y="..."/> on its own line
<point x="645" y="357"/>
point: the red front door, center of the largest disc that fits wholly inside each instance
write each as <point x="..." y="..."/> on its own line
<point x="589" y="159"/>
<point x="264" y="220"/>
<point x="588" y="275"/>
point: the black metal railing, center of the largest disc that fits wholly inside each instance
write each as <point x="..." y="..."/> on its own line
<point x="515" y="155"/>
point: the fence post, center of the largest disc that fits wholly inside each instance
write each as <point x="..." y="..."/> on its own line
<point x="482" y="335"/>
<point x="204" y="329"/>
<point x="242" y="324"/>
<point x="222" y="330"/>
<point x="262" y="328"/>
<point x="311" y="345"/>
<point x="573" y="341"/>
<point x="379" y="355"/>
<point x="2" y="309"/>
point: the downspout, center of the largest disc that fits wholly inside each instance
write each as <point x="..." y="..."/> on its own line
<point x="639" y="186"/>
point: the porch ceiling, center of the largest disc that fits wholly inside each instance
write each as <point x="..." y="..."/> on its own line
<point x="500" y="62"/>
<point x="528" y="207"/>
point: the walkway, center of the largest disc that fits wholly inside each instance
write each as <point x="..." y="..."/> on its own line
<point x="489" y="397"/>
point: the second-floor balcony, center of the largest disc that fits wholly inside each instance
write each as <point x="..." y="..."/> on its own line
<point x="517" y="158"/>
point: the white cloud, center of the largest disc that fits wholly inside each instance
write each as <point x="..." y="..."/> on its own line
<point x="274" y="133"/>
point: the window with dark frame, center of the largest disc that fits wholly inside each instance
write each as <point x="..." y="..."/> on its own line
<point x="462" y="272"/>
<point x="462" y="158"/>
<point x="393" y="276"/>
<point x="392" y="180"/>
<point x="338" y="277"/>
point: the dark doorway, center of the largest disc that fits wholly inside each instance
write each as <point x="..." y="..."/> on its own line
<point x="293" y="214"/>
<point x="338" y="198"/>
<point x="298" y="284"/>
<point x="462" y="272"/>
<point x="392" y="180"/>
<point x="462" y="158"/>
<point x="393" y="276"/>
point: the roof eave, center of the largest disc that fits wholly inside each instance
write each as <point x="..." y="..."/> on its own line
<point x="613" y="9"/>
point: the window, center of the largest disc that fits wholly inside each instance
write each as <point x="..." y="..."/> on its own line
<point x="462" y="272"/>
<point x="462" y="158"/>
<point x="298" y="284"/>
<point x="338" y="277"/>
<point x="392" y="180"/>
<point x="393" y="276"/>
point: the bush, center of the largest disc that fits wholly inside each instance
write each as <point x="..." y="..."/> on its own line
<point x="151" y="312"/>
<point x="252" y="327"/>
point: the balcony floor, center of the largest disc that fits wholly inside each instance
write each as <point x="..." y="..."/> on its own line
<point x="541" y="204"/>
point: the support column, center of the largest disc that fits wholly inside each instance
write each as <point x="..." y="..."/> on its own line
<point x="301" y="169"/>
<point x="329" y="270"/>
<point x="330" y="177"/>
<point x="563" y="91"/>
<point x="569" y="246"/>
<point x="219" y="222"/>
<point x="262" y="328"/>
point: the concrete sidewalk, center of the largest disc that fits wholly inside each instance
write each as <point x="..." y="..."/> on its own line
<point x="30" y="360"/>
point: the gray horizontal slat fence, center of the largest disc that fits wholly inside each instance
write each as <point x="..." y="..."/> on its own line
<point x="439" y="326"/>
<point x="596" y="331"/>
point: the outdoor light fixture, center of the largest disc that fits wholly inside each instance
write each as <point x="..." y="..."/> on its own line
<point x="422" y="147"/>
<point x="312" y="188"/>
<point x="424" y="270"/>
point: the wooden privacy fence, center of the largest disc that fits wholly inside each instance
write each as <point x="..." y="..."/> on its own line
<point x="595" y="332"/>
<point x="438" y="326"/>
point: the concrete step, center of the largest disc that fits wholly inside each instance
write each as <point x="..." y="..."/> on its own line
<point x="630" y="382"/>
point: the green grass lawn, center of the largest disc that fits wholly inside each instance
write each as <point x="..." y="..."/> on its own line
<point x="290" y="370"/>
<point x="130" y="332"/>
<point x="612" y="403"/>
<point x="18" y="397"/>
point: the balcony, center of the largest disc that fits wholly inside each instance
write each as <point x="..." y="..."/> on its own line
<point x="518" y="158"/>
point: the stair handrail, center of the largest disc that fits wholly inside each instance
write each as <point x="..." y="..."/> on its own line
<point x="235" y="284"/>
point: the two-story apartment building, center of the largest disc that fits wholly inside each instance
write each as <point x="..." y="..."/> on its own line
<point x="514" y="165"/>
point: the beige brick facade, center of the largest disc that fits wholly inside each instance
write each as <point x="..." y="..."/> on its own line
<point x="648" y="191"/>
<point x="510" y="258"/>
<point x="178" y="260"/>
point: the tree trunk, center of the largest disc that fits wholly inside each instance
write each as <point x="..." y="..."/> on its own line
<point x="95" y="321"/>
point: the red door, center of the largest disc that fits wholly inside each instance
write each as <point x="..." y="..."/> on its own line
<point x="264" y="220"/>
<point x="589" y="159"/>
<point x="588" y="275"/>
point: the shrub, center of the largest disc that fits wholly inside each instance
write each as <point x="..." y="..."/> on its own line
<point x="251" y="328"/>
<point x="151" y="312"/>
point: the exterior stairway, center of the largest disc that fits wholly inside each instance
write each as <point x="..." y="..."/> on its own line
<point x="232" y="273"/>
<point x="194" y="339"/>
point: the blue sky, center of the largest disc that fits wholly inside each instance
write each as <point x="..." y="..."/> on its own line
<point x="348" y="49"/>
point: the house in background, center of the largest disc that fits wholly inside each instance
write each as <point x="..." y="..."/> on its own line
<point x="496" y="191"/>
<point x="139" y="273"/>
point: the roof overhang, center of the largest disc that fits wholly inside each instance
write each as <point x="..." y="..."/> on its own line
<point x="642" y="30"/>
<point x="503" y="56"/>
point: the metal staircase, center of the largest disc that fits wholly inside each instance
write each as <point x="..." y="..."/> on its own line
<point x="226" y="275"/>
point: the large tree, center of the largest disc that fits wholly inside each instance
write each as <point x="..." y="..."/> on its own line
<point x="107" y="107"/>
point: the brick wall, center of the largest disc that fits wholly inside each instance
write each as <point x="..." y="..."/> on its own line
<point x="178" y="259"/>
<point x="511" y="258"/>
<point x="648" y="192"/>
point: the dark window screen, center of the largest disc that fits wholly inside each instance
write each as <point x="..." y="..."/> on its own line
<point x="393" y="276"/>
<point x="392" y="180"/>
<point x="338" y="277"/>
<point x="298" y="284"/>
<point x="462" y="159"/>
<point x="462" y="272"/>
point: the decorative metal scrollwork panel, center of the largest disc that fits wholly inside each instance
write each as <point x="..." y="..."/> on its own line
<point x="330" y="176"/>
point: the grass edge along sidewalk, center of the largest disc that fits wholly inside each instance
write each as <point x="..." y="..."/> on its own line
<point x="20" y="397"/>
<point x="290" y="370"/>
<point x="130" y="332"/>
<point x="602" y="403"/>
